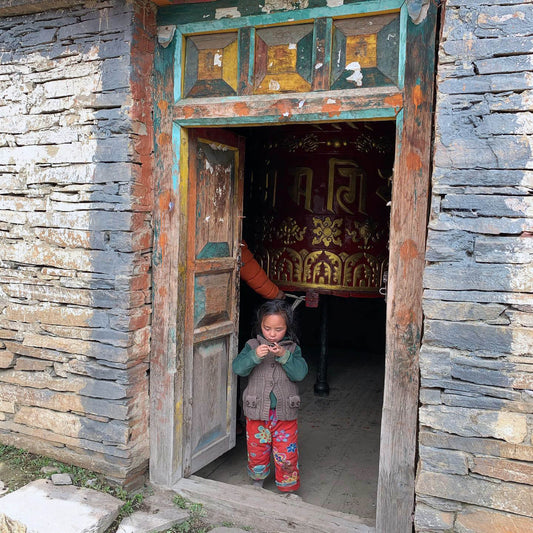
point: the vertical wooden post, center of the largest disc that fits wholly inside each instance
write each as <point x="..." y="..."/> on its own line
<point x="164" y="396"/>
<point x="395" y="503"/>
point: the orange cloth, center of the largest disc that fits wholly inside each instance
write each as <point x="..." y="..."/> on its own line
<point x="255" y="276"/>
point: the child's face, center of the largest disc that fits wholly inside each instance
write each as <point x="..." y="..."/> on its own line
<point x="273" y="328"/>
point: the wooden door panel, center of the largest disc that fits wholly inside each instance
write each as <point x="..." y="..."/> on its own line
<point x="213" y="253"/>
<point x="212" y="298"/>
<point x="209" y="409"/>
<point x="215" y="174"/>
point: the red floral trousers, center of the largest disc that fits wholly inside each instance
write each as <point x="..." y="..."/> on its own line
<point x="279" y="437"/>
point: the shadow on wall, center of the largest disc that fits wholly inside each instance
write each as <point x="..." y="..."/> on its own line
<point x="75" y="214"/>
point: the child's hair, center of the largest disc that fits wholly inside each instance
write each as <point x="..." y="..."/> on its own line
<point x="277" y="307"/>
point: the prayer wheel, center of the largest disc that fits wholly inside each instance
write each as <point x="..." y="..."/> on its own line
<point x="317" y="204"/>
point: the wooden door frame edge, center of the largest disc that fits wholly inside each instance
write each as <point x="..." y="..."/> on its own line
<point x="395" y="500"/>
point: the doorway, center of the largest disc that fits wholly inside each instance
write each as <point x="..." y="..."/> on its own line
<point x="339" y="431"/>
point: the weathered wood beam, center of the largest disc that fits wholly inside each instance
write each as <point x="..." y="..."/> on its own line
<point x="166" y="372"/>
<point x="408" y="225"/>
<point x="330" y="105"/>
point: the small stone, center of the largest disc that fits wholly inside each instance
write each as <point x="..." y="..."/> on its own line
<point x="91" y="482"/>
<point x="50" y="470"/>
<point x="61" y="479"/>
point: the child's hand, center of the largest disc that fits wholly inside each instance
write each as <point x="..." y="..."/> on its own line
<point x="262" y="350"/>
<point x="277" y="350"/>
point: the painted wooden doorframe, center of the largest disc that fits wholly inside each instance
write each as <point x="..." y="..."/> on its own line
<point x="411" y="106"/>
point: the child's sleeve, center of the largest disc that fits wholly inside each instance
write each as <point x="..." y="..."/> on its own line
<point x="294" y="365"/>
<point x="246" y="361"/>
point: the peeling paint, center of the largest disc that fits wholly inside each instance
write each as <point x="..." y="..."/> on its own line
<point x="418" y="10"/>
<point x="318" y="65"/>
<point x="208" y="166"/>
<point x="217" y="59"/>
<point x="165" y="34"/>
<point x="273" y="85"/>
<point x="284" y="5"/>
<point x="357" y="75"/>
<point x="241" y="109"/>
<point x="227" y="12"/>
<point x="395" y="100"/>
<point x="301" y="103"/>
<point x="418" y="97"/>
<point x="335" y="3"/>
<point x="292" y="46"/>
<point x="331" y="107"/>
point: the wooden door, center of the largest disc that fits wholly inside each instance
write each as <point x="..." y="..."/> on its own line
<point x="212" y="285"/>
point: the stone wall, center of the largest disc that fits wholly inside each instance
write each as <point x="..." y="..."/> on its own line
<point x="476" y="418"/>
<point x="76" y="143"/>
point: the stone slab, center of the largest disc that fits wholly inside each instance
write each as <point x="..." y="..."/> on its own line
<point x="147" y="522"/>
<point x="46" y="508"/>
<point x="158" y="513"/>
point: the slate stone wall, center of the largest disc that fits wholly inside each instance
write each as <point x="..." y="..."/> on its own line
<point x="476" y="418"/>
<point x="75" y="233"/>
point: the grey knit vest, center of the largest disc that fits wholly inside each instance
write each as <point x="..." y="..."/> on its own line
<point x="269" y="376"/>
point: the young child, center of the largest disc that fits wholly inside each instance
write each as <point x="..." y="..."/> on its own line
<point x="273" y="361"/>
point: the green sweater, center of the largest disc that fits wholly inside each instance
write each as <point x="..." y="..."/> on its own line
<point x="293" y="364"/>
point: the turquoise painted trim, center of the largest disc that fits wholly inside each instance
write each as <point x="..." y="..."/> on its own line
<point x="399" y="130"/>
<point x="176" y="149"/>
<point x="178" y="70"/>
<point x="214" y="249"/>
<point x="168" y="16"/>
<point x="251" y="62"/>
<point x="199" y="302"/>
<point x="402" y="51"/>
<point x="362" y="114"/>
<point x="313" y="52"/>
<point x="329" y="43"/>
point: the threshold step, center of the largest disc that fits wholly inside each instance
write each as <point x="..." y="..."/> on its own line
<point x="264" y="511"/>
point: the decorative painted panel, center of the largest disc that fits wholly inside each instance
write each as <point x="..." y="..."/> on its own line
<point x="365" y="51"/>
<point x="211" y="65"/>
<point x="325" y="54"/>
<point x="212" y="298"/>
<point x="283" y="59"/>
<point x="320" y="216"/>
<point x="216" y="164"/>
